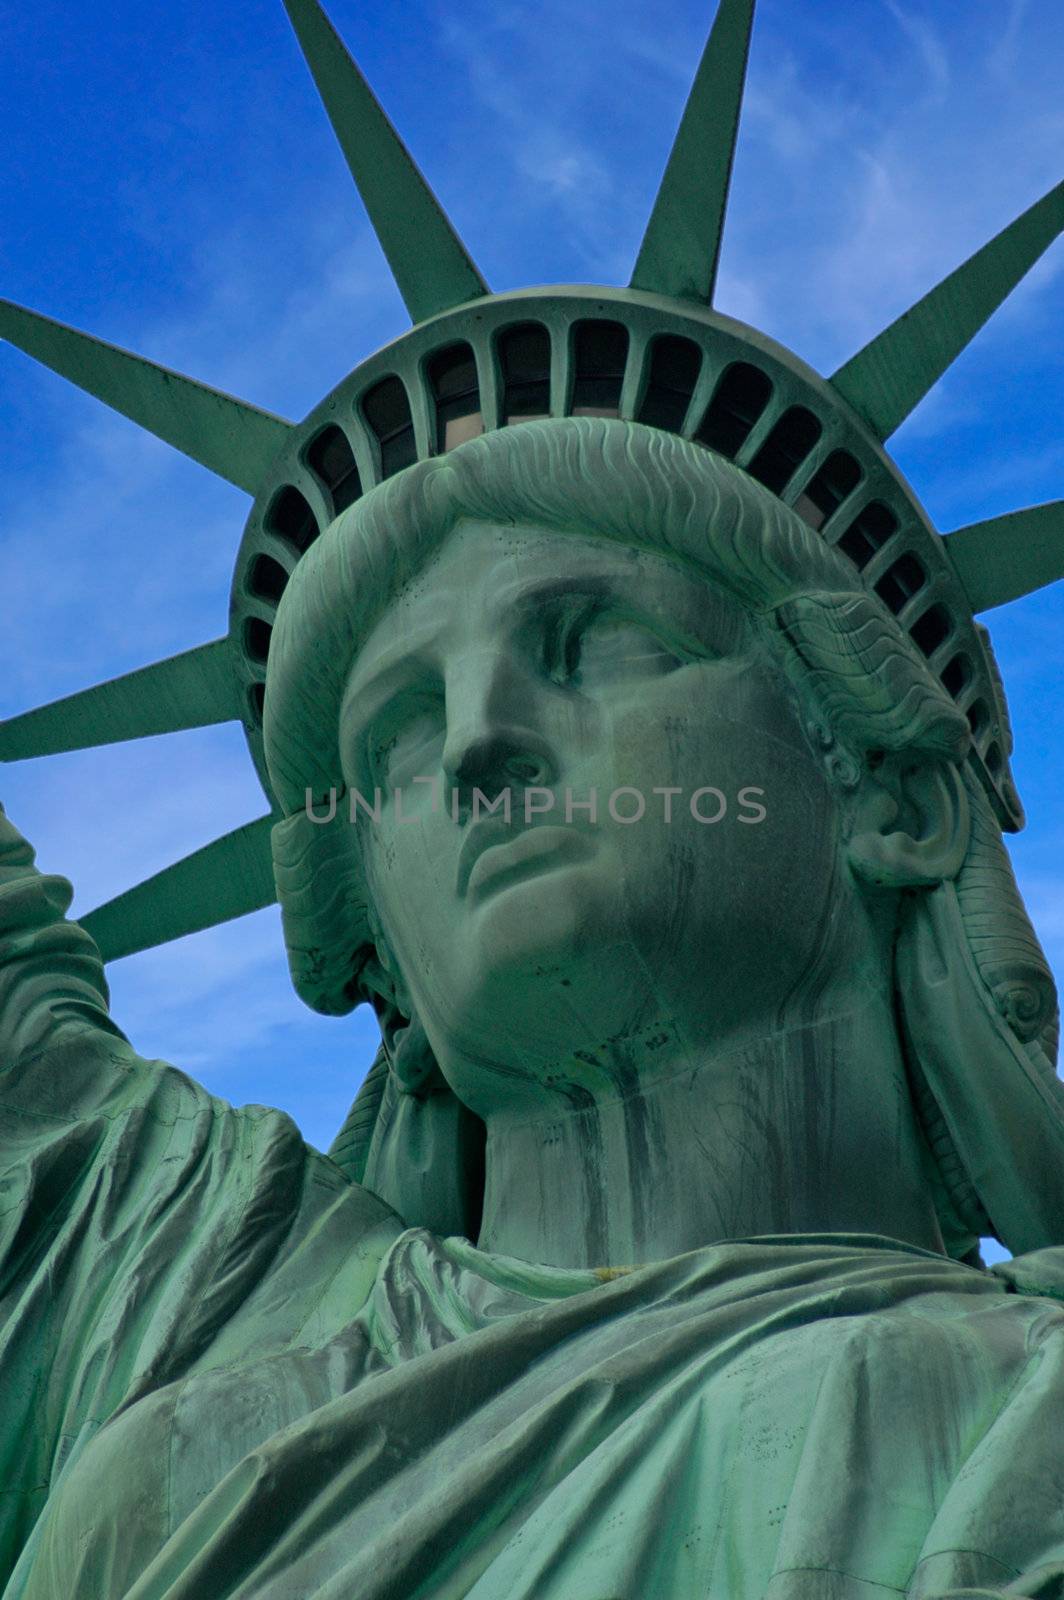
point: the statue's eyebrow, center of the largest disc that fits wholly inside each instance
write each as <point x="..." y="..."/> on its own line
<point x="363" y="698"/>
<point x="405" y="661"/>
<point x="525" y="596"/>
<point x="718" y="627"/>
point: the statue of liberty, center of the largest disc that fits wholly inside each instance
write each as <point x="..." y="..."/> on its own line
<point x="631" y="747"/>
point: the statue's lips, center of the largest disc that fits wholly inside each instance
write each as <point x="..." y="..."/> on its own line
<point x="499" y="862"/>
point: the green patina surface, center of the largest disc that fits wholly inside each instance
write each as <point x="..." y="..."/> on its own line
<point x="657" y="820"/>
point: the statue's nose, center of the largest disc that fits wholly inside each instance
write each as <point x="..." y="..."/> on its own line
<point x="492" y="741"/>
<point x="499" y="761"/>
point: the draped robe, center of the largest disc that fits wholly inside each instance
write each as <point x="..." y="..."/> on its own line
<point x="226" y="1371"/>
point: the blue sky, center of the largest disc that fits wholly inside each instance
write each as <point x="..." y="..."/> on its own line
<point x="170" y="183"/>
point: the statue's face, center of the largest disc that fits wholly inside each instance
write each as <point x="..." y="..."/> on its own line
<point x="553" y="952"/>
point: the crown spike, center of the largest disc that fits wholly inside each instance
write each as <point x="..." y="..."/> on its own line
<point x="681" y="247"/>
<point x="1007" y="557"/>
<point x="888" y="378"/>
<point x="227" y="878"/>
<point x="190" y="690"/>
<point x="231" y="438"/>
<point x="428" y="260"/>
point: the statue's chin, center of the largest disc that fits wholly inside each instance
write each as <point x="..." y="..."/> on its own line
<point x="541" y="918"/>
<point x="549" y="976"/>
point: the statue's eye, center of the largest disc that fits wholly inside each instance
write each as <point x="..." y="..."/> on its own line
<point x="561" y="641"/>
<point x="594" y="648"/>
<point x="405" y="743"/>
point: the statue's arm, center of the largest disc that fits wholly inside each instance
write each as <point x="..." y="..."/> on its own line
<point x="141" y="1219"/>
<point x="51" y="976"/>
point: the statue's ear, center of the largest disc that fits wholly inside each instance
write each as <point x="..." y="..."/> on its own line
<point x="910" y="823"/>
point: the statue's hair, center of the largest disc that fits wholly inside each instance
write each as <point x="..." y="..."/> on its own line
<point x="864" y="686"/>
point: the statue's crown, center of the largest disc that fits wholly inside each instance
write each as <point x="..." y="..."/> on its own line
<point x="655" y="353"/>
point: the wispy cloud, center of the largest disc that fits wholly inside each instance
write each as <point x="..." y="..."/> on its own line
<point x="925" y="36"/>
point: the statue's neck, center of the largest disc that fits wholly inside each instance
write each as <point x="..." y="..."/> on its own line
<point x="805" y="1130"/>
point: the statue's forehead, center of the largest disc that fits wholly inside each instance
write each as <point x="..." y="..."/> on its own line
<point x="485" y="570"/>
<point x="498" y="556"/>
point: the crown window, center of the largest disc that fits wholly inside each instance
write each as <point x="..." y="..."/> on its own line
<point x="833" y="483"/>
<point x="786" y="447"/>
<point x="267" y="579"/>
<point x="868" y="533"/>
<point x="740" y="400"/>
<point x="956" y="675"/>
<point x="524" y="355"/>
<point x="930" y="629"/>
<point x="387" y="410"/>
<point x="600" y="355"/>
<point x="332" y="461"/>
<point x="290" y="518"/>
<point x="674" y="367"/>
<point x="978" y="716"/>
<point x="452" y="377"/>
<point x="257" y="636"/>
<point x="901" y="581"/>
